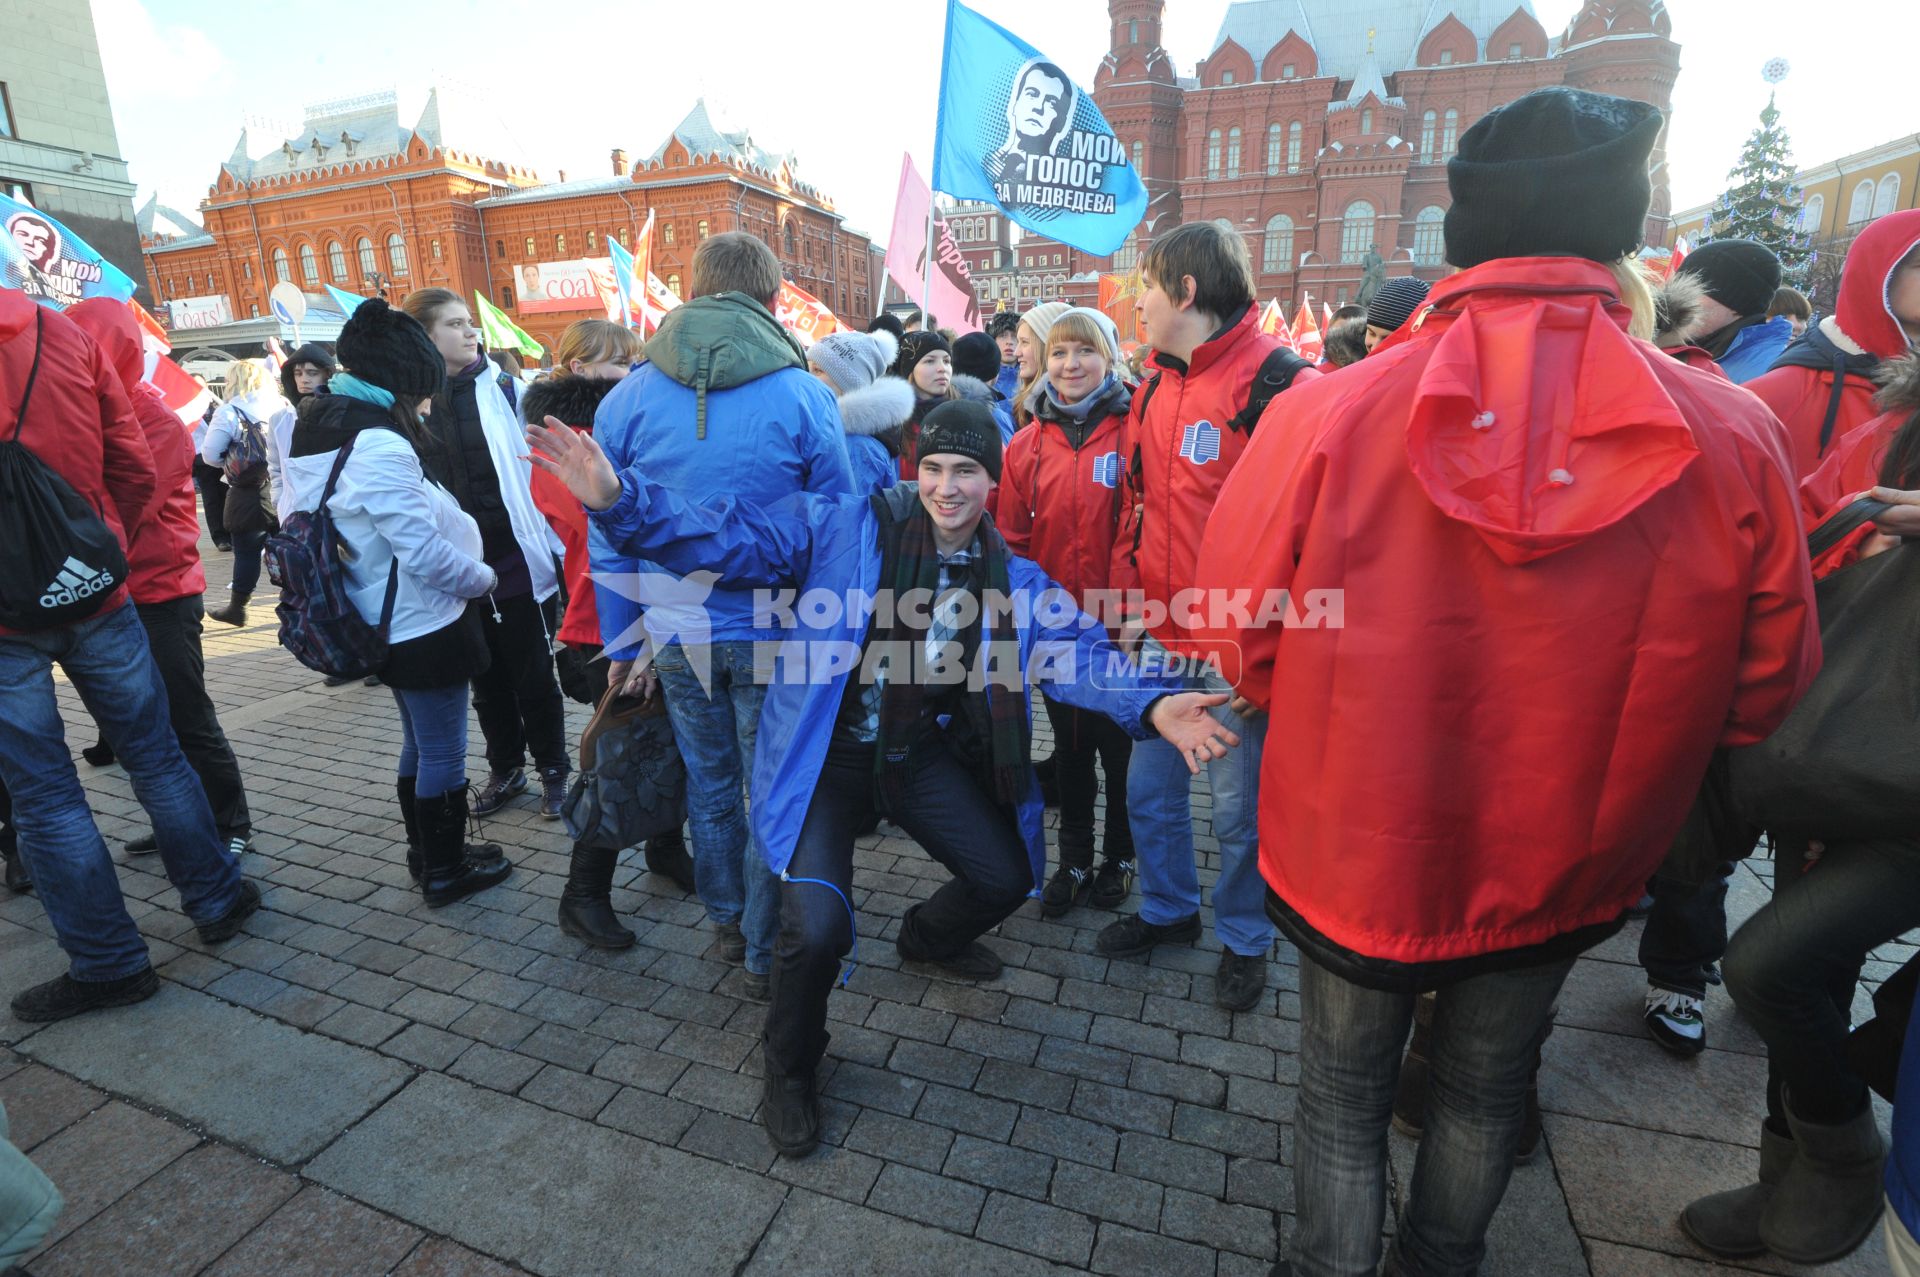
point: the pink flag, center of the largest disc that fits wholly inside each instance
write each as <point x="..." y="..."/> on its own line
<point x="951" y="297"/>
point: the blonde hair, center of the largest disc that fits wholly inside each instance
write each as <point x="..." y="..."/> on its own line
<point x="1081" y="328"/>
<point x="244" y="376"/>
<point x="1636" y="292"/>
<point x="1025" y="387"/>
<point x="595" y="341"/>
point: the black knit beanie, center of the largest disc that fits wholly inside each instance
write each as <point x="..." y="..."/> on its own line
<point x="1738" y="273"/>
<point x="388" y="348"/>
<point x="913" y="348"/>
<point x="1558" y="172"/>
<point x="965" y="427"/>
<point x="977" y="355"/>
<point x="1395" y="301"/>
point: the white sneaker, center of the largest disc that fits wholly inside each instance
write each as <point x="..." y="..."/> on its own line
<point x="1677" y="1021"/>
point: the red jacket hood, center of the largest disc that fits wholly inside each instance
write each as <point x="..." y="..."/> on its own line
<point x="1537" y="421"/>
<point x="112" y="327"/>
<point x="1862" y="309"/>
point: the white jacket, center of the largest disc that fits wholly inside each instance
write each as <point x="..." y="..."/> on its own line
<point x="265" y="407"/>
<point x="507" y="441"/>
<point x="384" y="505"/>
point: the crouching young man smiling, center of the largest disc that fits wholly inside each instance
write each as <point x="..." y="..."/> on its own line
<point x="943" y="757"/>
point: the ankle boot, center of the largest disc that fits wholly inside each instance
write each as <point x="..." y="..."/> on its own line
<point x="1728" y="1224"/>
<point x="451" y="870"/>
<point x="1830" y="1198"/>
<point x="1410" y="1096"/>
<point x="235" y="612"/>
<point x="403" y="790"/>
<point x="667" y="856"/>
<point x="586" y="903"/>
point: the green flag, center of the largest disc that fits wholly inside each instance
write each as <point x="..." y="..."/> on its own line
<point x="501" y="333"/>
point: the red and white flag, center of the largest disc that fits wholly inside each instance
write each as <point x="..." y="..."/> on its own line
<point x="1307" y="339"/>
<point x="949" y="291"/>
<point x="805" y="315"/>
<point x="1679" y="254"/>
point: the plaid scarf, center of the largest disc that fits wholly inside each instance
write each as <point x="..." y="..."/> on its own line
<point x="997" y="715"/>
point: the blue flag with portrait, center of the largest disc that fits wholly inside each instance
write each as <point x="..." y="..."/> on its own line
<point x="50" y="264"/>
<point x="1015" y="131"/>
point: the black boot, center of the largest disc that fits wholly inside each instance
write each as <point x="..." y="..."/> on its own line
<point x="235" y="612"/>
<point x="479" y="853"/>
<point x="452" y="871"/>
<point x="586" y="903"/>
<point x="667" y="856"/>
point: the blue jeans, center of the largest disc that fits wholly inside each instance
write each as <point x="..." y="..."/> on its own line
<point x="715" y="727"/>
<point x="433" y="737"/>
<point x="1686" y="933"/>
<point x="1160" y="813"/>
<point x="1485" y="1031"/>
<point x="107" y="660"/>
<point x="247" y="547"/>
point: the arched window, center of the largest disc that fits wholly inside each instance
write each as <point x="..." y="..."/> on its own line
<point x="1293" y="147"/>
<point x="1812" y="214"/>
<point x="506" y="296"/>
<point x="336" y="261"/>
<point x="1213" y="153"/>
<point x="1273" y="150"/>
<point x="1356" y="232"/>
<point x="623" y="236"/>
<point x="1366" y="122"/>
<point x="210" y="284"/>
<point x="787" y="239"/>
<point x="500" y="247"/>
<point x="1277" y="254"/>
<point x="666" y="233"/>
<point x="253" y="311"/>
<point x="560" y="245"/>
<point x="246" y="270"/>
<point x="527" y="248"/>
<point x="1133" y="31"/>
<point x="673" y="285"/>
<point x="1429" y="240"/>
<point x="592" y="242"/>
<point x="1429" y="130"/>
<point x="436" y="250"/>
<point x="1889" y="197"/>
<point x="700" y="228"/>
<point x="396" y="255"/>
<point x="309" y="265"/>
<point x="1862" y="207"/>
<point x="1233" y="151"/>
<point x="1139" y="153"/>
<point x="364" y="251"/>
<point x="1450" y="135"/>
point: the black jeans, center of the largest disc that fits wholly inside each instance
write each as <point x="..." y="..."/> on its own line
<point x="1686" y="933"/>
<point x="1080" y="738"/>
<point x="173" y="635"/>
<point x="946" y="812"/>
<point x="212" y="483"/>
<point x="518" y="699"/>
<point x="246" y="560"/>
<point x="1792" y="968"/>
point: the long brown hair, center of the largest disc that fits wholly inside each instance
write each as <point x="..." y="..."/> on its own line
<point x="424" y="303"/>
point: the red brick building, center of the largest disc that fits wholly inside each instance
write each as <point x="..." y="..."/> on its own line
<point x="360" y="200"/>
<point x="1320" y="130"/>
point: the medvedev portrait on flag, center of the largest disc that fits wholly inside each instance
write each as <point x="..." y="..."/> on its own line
<point x="1049" y="162"/>
<point x="1037" y="118"/>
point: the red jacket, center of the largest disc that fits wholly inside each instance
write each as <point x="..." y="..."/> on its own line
<point x="1176" y="455"/>
<point x="164" y="552"/>
<point x="1853" y="464"/>
<point x="1571" y="566"/>
<point x="573" y="400"/>
<point x="1799" y="387"/>
<point x="79" y="421"/>
<point x="1059" y="501"/>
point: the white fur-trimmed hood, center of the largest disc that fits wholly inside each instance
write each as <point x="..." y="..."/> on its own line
<point x="887" y="403"/>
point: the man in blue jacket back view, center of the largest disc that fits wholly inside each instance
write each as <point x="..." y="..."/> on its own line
<point x="723" y="407"/>
<point x="1740" y="277"/>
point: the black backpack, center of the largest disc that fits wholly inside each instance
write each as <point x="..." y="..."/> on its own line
<point x="61" y="562"/>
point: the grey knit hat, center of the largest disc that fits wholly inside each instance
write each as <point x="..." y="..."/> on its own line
<point x="1395" y="301"/>
<point x="1041" y="318"/>
<point x="854" y="360"/>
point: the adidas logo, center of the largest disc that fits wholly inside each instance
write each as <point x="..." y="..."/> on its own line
<point x="74" y="582"/>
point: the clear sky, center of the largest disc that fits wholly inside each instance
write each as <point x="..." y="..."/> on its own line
<point x="848" y="84"/>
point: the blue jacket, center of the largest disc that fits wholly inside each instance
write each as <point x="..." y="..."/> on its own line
<point x="1008" y="381"/>
<point x="1903" y="1160"/>
<point x="765" y="440"/>
<point x="1754" y="349"/>
<point x="832" y="545"/>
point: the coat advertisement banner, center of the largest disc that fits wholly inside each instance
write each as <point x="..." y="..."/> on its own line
<point x="199" y="312"/>
<point x="1015" y="131"/>
<point x="50" y="264"/>
<point x="949" y="293"/>
<point x="542" y="288"/>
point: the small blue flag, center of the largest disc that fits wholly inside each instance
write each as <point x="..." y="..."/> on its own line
<point x="1106" y="469"/>
<point x="346" y="301"/>
<point x="52" y="265"/>
<point x="1013" y="130"/>
<point x="1200" y="442"/>
<point x="622" y="277"/>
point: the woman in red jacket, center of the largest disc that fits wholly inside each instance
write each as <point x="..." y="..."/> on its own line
<point x="1060" y="506"/>
<point x="591" y="358"/>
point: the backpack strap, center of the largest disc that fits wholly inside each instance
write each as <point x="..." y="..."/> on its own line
<point x="326" y="495"/>
<point x="1841" y="524"/>
<point x="505" y="381"/>
<point x="33" y="373"/>
<point x="1833" y="399"/>
<point x="1275" y="375"/>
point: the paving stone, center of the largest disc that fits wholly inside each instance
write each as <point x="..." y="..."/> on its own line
<point x="1251" y="1182"/>
<point x="1180" y="1081"/>
<point x="495" y="1026"/>
<point x="1604" y="1077"/>
<point x="1025" y="1085"/>
<point x="568" y="1048"/>
<point x="439" y="1257"/>
<point x="1016" y="1046"/>
<point x="249" y="989"/>
<point x="177" y="1221"/>
<point x="965" y="1111"/>
<point x="300" y="1007"/>
<point x="875" y="1088"/>
<point x="815" y="1234"/>
<point x="1042" y="1017"/>
<point x="1105" y="1195"/>
<point x="718" y="1090"/>
<point x="1129" y="1110"/>
<point x="1128" y="1252"/>
<point x="712" y="1046"/>
<point x="319" y="1233"/>
<point x="1084" y="1060"/>
<point x="1244" y="1229"/>
<point x="496" y="1069"/>
<point x="899" y="1140"/>
<point x="1226" y="1132"/>
<point x="935" y="1063"/>
<point x="569" y="1092"/>
<point x="1036" y="1228"/>
<point x="861" y="1046"/>
<point x="41" y="1103"/>
<point x="1134" y="1037"/>
<point x="1175" y="1165"/>
<point x="652" y="1117"/>
<point x="931" y="1199"/>
<point x="548" y="1179"/>
<point x="635" y="1066"/>
<point x="641" y="1028"/>
<point x="998" y="1166"/>
<point x="370" y="988"/>
<point x="730" y="1140"/>
<point x="426" y="1046"/>
<point x="301" y="1089"/>
<point x="104" y="1156"/>
<point x="1222" y="1056"/>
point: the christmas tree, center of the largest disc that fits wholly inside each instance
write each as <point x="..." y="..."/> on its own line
<point x="1763" y="202"/>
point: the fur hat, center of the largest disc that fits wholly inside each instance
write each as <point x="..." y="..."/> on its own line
<point x="1395" y="301"/>
<point x="1002" y="322"/>
<point x="917" y="346"/>
<point x="976" y="355"/>
<point x="388" y="348"/>
<point x="1558" y="171"/>
<point x="888" y="323"/>
<point x="854" y="360"/>
<point x="965" y="427"/>
<point x="1676" y="310"/>
<point x="1738" y="273"/>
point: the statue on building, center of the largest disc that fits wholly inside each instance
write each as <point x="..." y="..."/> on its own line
<point x="1376" y="274"/>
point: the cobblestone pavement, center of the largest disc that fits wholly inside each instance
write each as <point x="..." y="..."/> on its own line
<point x="361" y="1085"/>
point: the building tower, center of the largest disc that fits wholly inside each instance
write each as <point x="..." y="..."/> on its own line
<point x="1625" y="47"/>
<point x="1138" y="92"/>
